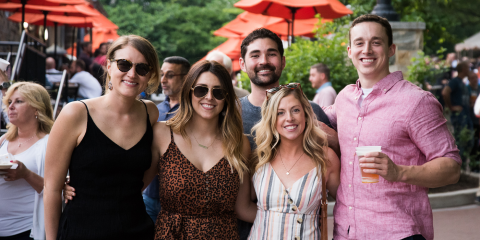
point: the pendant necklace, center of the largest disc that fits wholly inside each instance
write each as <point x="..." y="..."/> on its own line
<point x="288" y="171"/>
<point x="203" y="146"/>
<point x="20" y="144"/>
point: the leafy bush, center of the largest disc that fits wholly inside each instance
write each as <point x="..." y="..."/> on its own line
<point x="329" y="48"/>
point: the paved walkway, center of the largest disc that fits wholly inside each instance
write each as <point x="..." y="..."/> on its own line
<point x="449" y="223"/>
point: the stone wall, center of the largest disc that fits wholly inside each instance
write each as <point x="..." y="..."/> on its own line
<point x="408" y="37"/>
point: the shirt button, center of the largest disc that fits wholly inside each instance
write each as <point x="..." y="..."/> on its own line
<point x="297" y="238"/>
<point x="360" y="118"/>
<point x="356" y="98"/>
<point x="350" y="163"/>
<point x="349" y="185"/>
<point x="294" y="208"/>
<point x="350" y="208"/>
<point x="207" y="188"/>
<point x="206" y="175"/>
<point x="290" y="201"/>
<point x="299" y="220"/>
<point x="355" y="139"/>
<point x="384" y="90"/>
<point x="286" y="193"/>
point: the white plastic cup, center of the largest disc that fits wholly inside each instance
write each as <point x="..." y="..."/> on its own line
<point x="367" y="177"/>
<point x="3" y="65"/>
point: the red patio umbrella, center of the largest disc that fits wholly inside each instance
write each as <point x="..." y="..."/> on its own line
<point x="291" y="9"/>
<point x="100" y="36"/>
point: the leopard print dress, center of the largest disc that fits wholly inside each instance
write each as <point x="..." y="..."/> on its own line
<point x="195" y="205"/>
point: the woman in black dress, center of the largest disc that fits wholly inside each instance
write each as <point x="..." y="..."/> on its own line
<point x="105" y="144"/>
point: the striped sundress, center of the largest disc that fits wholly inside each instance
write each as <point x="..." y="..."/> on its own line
<point x="288" y="214"/>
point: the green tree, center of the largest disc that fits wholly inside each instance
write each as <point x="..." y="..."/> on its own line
<point x="175" y="27"/>
<point x="330" y="48"/>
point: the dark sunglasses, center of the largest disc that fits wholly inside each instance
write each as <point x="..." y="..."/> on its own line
<point x="125" y="65"/>
<point x="270" y="92"/>
<point x="201" y="91"/>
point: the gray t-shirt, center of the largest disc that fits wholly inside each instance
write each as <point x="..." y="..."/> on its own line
<point x="251" y="115"/>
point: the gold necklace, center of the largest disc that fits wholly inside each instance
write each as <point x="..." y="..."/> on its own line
<point x="20" y="144"/>
<point x="288" y="171"/>
<point x="203" y="146"/>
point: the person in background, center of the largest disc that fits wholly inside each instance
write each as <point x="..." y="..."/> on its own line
<point x="291" y="163"/>
<point x="320" y="79"/>
<point x="474" y="90"/>
<point x="418" y="151"/>
<point x="21" y="189"/>
<point x="457" y="99"/>
<point x="4" y="85"/>
<point x="101" y="54"/>
<point x="476" y="111"/>
<point x="53" y="75"/>
<point x="88" y="85"/>
<point x="105" y="144"/>
<point x="223" y="59"/>
<point x="172" y="75"/>
<point x="86" y="55"/>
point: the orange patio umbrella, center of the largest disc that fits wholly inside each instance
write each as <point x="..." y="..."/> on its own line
<point x="291" y="9"/>
<point x="100" y="36"/>
<point x="37" y="19"/>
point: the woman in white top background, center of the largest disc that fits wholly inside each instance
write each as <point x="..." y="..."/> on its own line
<point x="21" y="199"/>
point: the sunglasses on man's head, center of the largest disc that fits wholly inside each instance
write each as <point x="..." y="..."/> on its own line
<point x="125" y="65"/>
<point x="201" y="91"/>
<point x="270" y="92"/>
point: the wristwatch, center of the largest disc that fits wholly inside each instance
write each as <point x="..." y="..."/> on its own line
<point x="5" y="85"/>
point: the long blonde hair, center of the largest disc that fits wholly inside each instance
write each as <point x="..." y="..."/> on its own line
<point x="230" y="124"/>
<point x="146" y="49"/>
<point x="268" y="139"/>
<point x="37" y="97"/>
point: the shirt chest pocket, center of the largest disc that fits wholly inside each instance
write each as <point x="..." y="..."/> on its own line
<point x="375" y="131"/>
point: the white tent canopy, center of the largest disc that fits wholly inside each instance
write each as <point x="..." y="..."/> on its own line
<point x="469" y="43"/>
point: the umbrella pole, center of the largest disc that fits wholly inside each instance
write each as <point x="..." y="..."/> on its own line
<point x="24" y="2"/>
<point x="288" y="32"/>
<point x="55" y="42"/>
<point x="73" y="40"/>
<point x="294" y="11"/>
<point x="45" y="29"/>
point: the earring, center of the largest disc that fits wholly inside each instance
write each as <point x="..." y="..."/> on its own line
<point x="223" y="113"/>
<point x="36" y="117"/>
<point x="110" y="86"/>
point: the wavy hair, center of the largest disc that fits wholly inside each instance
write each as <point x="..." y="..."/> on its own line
<point x="230" y="124"/>
<point x="146" y="49"/>
<point x="268" y="139"/>
<point x="37" y="97"/>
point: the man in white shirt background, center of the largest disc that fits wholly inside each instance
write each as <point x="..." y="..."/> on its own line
<point x="320" y="79"/>
<point x="88" y="86"/>
<point x="53" y="75"/>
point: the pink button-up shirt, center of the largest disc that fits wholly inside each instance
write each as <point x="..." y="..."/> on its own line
<point x="408" y="123"/>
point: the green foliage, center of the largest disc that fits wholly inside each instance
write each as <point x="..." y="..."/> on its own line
<point x="330" y="48"/>
<point x="175" y="27"/>
<point x="447" y="21"/>
<point x="423" y="71"/>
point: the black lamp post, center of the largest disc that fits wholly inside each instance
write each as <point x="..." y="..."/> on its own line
<point x="384" y="9"/>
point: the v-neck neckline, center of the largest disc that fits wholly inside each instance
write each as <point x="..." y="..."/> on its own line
<point x="296" y="181"/>
<point x="193" y="165"/>
<point x="116" y="144"/>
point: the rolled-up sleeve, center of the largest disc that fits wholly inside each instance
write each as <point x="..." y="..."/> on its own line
<point x="428" y="130"/>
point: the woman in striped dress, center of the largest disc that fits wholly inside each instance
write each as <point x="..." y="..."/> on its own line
<point x="291" y="157"/>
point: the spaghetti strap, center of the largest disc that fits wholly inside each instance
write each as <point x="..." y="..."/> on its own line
<point x="85" y="106"/>
<point x="171" y="135"/>
<point x="145" y="106"/>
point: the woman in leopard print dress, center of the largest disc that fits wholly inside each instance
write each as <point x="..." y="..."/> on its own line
<point x="201" y="154"/>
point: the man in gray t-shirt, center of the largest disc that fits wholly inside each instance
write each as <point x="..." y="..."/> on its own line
<point x="262" y="59"/>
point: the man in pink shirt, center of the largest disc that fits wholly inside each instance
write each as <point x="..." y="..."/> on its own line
<point x="418" y="151"/>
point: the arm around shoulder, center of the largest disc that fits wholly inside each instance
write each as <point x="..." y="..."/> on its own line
<point x="333" y="173"/>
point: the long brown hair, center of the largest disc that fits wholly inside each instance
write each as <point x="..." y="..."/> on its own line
<point x="37" y="97"/>
<point x="146" y="49"/>
<point x="230" y="124"/>
<point x="268" y="139"/>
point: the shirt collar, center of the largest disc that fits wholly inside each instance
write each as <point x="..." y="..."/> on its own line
<point x="327" y="84"/>
<point x="386" y="83"/>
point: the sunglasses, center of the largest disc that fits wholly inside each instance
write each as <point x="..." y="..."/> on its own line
<point x="125" y="65"/>
<point x="270" y="92"/>
<point x="201" y="91"/>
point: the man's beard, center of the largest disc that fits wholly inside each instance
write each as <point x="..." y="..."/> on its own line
<point x="258" y="82"/>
